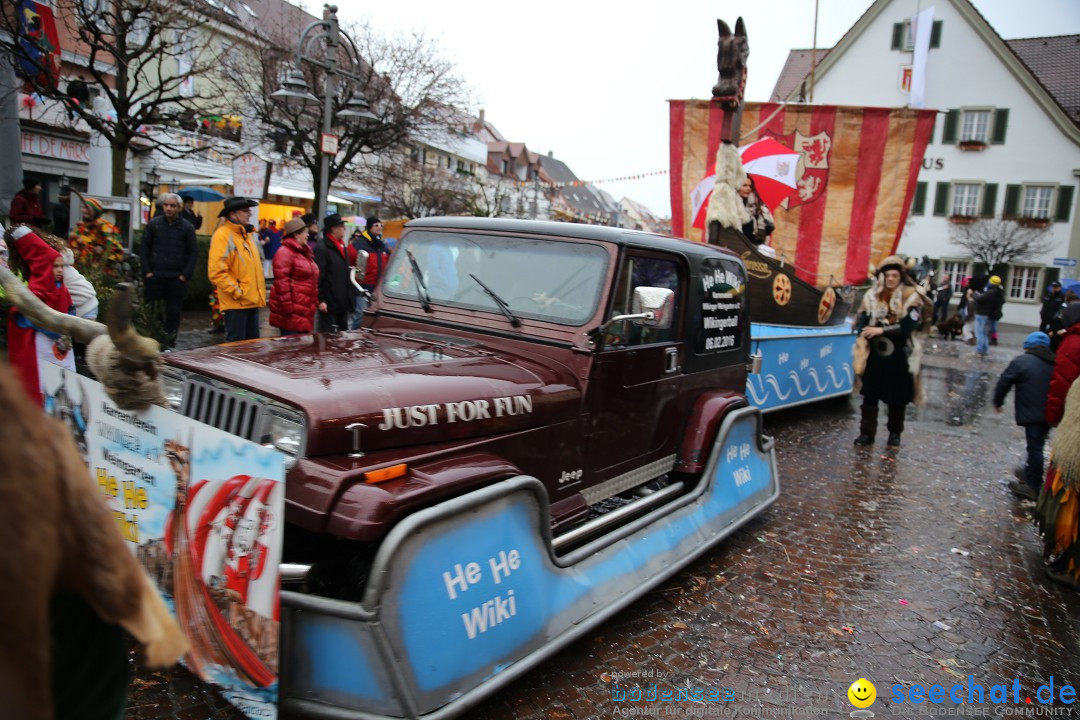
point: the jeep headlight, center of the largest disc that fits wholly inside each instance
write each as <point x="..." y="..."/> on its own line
<point x="173" y="384"/>
<point x="286" y="433"/>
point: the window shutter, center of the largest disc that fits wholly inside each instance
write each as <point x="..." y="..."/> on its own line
<point x="918" y="206"/>
<point x="948" y="135"/>
<point x="941" y="199"/>
<point x="1012" y="201"/>
<point x="989" y="199"/>
<point x="1001" y="122"/>
<point x="897" y="36"/>
<point x="1064" y="203"/>
<point x="935" y="34"/>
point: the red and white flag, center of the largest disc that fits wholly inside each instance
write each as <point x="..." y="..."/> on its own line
<point x="855" y="178"/>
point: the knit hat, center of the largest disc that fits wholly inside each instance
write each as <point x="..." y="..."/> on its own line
<point x="1036" y="339"/>
<point x="309" y="218"/>
<point x="995" y="280"/>
<point x="96" y="208"/>
<point x="371" y="222"/>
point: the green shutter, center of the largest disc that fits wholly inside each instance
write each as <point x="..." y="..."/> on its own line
<point x="989" y="199"/>
<point x="941" y="199"/>
<point x="1012" y="201"/>
<point x="918" y="206"/>
<point x="1001" y="122"/>
<point x="935" y="34"/>
<point x="948" y="135"/>
<point x="897" y="36"/>
<point x="1064" y="203"/>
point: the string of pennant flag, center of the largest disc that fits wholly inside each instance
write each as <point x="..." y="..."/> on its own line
<point x="579" y="183"/>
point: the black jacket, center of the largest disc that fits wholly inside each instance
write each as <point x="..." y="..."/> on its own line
<point x="990" y="302"/>
<point x="335" y="289"/>
<point x="1050" y="306"/>
<point x="168" y="249"/>
<point x="1030" y="373"/>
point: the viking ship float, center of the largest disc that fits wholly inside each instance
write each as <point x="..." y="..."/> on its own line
<point x="839" y="182"/>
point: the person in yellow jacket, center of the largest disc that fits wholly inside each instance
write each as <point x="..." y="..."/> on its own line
<point x="235" y="269"/>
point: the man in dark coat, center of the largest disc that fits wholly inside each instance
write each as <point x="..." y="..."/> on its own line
<point x="942" y="296"/>
<point x="335" y="289"/>
<point x="167" y="256"/>
<point x="189" y="214"/>
<point x="61" y="212"/>
<point x="1051" y="303"/>
<point x="1030" y="373"/>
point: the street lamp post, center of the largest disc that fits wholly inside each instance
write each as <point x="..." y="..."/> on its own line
<point x="294" y="89"/>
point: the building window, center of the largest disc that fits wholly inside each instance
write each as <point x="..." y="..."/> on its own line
<point x="1037" y="201"/>
<point x="957" y="270"/>
<point x="505" y="167"/>
<point x="965" y="200"/>
<point x="1024" y="283"/>
<point x="904" y="39"/>
<point x="976" y="126"/>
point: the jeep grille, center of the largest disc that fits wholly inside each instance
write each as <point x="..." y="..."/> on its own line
<point x="220" y="408"/>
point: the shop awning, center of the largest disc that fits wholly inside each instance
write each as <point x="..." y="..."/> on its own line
<point x="304" y="194"/>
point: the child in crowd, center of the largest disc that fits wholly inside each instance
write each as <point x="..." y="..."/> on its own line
<point x="1030" y="373"/>
<point x="83" y="294"/>
<point x="30" y="346"/>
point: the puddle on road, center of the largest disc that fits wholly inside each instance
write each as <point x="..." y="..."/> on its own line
<point x="956" y="397"/>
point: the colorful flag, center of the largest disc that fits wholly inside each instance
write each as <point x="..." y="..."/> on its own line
<point x="856" y="178"/>
<point x="39" y="44"/>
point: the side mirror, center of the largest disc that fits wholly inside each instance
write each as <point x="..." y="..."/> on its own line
<point x="653" y="307"/>
<point x="753" y="364"/>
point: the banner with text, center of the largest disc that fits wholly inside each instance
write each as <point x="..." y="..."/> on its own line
<point x="202" y="510"/>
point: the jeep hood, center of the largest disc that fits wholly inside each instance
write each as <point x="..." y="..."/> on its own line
<point x="407" y="389"/>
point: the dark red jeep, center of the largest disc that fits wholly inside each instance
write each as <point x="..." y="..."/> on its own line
<point x="597" y="360"/>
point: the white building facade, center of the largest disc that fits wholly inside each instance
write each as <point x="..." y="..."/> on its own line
<point x="1006" y="142"/>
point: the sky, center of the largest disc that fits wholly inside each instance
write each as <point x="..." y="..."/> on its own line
<point x="589" y="80"/>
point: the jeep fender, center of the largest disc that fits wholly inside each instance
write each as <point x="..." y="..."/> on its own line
<point x="701" y="427"/>
<point x="365" y="511"/>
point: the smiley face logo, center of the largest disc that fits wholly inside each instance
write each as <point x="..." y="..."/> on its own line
<point x="862" y="693"/>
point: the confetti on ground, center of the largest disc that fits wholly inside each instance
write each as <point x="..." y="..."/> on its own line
<point x="902" y="602"/>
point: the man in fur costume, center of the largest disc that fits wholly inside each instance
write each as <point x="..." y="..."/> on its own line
<point x="888" y="352"/>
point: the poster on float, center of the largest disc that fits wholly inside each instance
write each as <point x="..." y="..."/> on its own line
<point x="202" y="510"/>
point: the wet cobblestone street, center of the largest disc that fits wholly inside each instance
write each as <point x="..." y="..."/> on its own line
<point x="908" y="567"/>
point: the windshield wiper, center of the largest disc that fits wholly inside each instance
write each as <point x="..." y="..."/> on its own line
<point x="425" y="300"/>
<point x="498" y="301"/>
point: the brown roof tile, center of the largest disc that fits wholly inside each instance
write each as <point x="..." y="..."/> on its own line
<point x="795" y="69"/>
<point x="1055" y="62"/>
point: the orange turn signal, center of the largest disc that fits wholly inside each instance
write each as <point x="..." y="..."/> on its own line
<point x="386" y="473"/>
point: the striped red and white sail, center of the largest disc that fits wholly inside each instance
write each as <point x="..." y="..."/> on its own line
<point x="857" y="172"/>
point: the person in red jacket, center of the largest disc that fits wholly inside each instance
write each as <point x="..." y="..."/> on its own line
<point x="26" y="205"/>
<point x="1066" y="364"/>
<point x="28" y="345"/>
<point x="295" y="291"/>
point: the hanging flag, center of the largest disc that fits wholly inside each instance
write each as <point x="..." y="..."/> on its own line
<point x="856" y="177"/>
<point x="922" y="25"/>
<point x="39" y="60"/>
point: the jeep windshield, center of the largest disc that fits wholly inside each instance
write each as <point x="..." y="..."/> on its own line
<point x="540" y="279"/>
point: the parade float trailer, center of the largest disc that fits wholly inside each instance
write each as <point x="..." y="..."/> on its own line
<point x="538" y="423"/>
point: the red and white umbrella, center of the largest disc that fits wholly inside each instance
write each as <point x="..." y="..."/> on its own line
<point x="773" y="166"/>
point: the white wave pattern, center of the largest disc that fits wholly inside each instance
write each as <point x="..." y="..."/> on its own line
<point x="759" y="392"/>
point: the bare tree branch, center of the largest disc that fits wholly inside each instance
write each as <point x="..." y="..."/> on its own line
<point x="405" y="80"/>
<point x="997" y="242"/>
<point x="150" y="59"/>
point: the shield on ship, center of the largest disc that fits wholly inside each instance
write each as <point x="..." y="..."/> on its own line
<point x="813" y="170"/>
